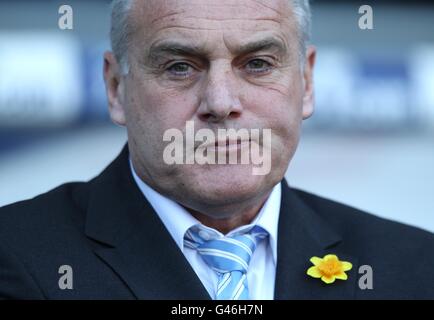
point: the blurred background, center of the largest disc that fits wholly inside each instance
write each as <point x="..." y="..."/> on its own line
<point x="370" y="143"/>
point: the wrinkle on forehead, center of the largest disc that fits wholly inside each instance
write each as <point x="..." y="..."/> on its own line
<point x="159" y="14"/>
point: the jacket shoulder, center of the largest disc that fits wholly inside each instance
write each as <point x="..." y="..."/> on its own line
<point x="39" y="235"/>
<point x="344" y="217"/>
<point x="48" y="211"/>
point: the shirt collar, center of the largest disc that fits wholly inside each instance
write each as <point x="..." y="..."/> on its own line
<point x="178" y="220"/>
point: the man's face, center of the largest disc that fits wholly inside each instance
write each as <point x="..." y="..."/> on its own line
<point x="222" y="64"/>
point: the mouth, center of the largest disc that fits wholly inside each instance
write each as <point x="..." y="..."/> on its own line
<point x="226" y="145"/>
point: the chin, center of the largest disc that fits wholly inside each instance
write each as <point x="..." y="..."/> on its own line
<point x="227" y="184"/>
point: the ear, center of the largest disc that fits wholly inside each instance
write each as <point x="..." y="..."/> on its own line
<point x="114" y="84"/>
<point x="308" y="98"/>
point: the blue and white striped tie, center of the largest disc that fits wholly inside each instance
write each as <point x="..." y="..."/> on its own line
<point x="229" y="257"/>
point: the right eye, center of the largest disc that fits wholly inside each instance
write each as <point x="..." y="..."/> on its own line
<point x="180" y="69"/>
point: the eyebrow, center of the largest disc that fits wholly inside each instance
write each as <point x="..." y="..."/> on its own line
<point x="178" y="48"/>
<point x="262" y="44"/>
<point x="175" y="48"/>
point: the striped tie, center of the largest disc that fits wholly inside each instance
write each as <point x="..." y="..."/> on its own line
<point x="229" y="257"/>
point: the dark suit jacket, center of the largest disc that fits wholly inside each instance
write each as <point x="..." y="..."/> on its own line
<point x="119" y="249"/>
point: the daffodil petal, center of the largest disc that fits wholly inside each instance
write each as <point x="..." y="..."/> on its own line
<point x="314" y="272"/>
<point x="328" y="280"/>
<point x="331" y="256"/>
<point x="341" y="276"/>
<point x="346" y="266"/>
<point x="315" y="260"/>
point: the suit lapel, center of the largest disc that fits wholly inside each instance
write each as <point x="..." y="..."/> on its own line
<point x="302" y="234"/>
<point x="132" y="240"/>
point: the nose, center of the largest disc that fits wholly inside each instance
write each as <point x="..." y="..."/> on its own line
<point x="220" y="99"/>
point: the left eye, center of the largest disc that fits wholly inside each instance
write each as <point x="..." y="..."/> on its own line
<point x="258" y="65"/>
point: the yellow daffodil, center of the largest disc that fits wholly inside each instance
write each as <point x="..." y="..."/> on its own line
<point x="329" y="268"/>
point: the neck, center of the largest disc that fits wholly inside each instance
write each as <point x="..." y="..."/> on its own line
<point x="233" y="220"/>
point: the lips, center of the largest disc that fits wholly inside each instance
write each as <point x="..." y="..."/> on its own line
<point x="229" y="142"/>
<point x="225" y="145"/>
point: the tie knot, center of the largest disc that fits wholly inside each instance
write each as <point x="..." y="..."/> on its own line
<point x="225" y="254"/>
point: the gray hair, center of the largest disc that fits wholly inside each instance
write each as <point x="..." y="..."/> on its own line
<point x="121" y="29"/>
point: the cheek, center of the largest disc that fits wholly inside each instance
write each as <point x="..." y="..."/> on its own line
<point x="160" y="109"/>
<point x="276" y="107"/>
<point x="280" y="109"/>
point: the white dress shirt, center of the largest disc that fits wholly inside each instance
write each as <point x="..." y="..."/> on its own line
<point x="262" y="269"/>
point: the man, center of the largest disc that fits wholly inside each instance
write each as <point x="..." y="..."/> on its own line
<point x="149" y="227"/>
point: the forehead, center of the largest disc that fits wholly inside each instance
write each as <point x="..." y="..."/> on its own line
<point x="233" y="21"/>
